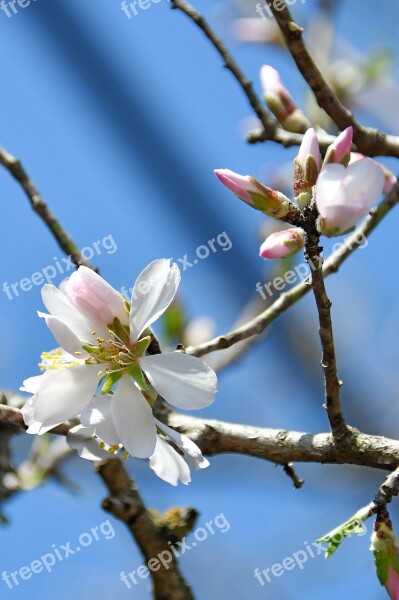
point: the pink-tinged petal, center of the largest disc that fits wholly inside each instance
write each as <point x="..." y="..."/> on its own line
<point x="273" y="86"/>
<point x="93" y="296"/>
<point x="153" y="292"/>
<point x="390" y="180"/>
<point x="182" y="380"/>
<point x="392" y="584"/>
<point x="190" y="449"/>
<point x="364" y="182"/>
<point x="168" y="464"/>
<point x="282" y="244"/>
<point x="240" y="185"/>
<point x="59" y="306"/>
<point x="310" y="147"/>
<point x="133" y="419"/>
<point x="64" y="336"/>
<point x="82" y="440"/>
<point x="342" y="145"/>
<point x="330" y="187"/>
<point x="64" y="393"/>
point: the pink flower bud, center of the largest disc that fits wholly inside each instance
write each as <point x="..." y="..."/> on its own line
<point x="344" y="195"/>
<point x="307" y="164"/>
<point x="280" y="101"/>
<point x="92" y="295"/>
<point x="390" y="178"/>
<point x="282" y="244"/>
<point x="339" y="151"/>
<point x="392" y="584"/>
<point x="250" y="190"/>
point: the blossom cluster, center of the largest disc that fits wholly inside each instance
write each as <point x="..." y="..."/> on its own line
<point x="103" y="374"/>
<point x="342" y="187"/>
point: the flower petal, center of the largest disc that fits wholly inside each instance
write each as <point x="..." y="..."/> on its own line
<point x="92" y="295"/>
<point x="107" y="433"/>
<point x="63" y="334"/>
<point x="59" y="306"/>
<point x="28" y="413"/>
<point x="190" y="449"/>
<point x="168" y="464"/>
<point x="153" y="291"/>
<point x="33" y="384"/>
<point x="182" y="380"/>
<point x="133" y="419"/>
<point x="96" y="411"/>
<point x="81" y="439"/>
<point x="64" y="393"/>
<point x="364" y="183"/>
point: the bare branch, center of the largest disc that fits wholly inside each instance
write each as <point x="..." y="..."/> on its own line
<point x="332" y="384"/>
<point x="125" y="503"/>
<point x="371" y="142"/>
<point x="267" y="121"/>
<point x="276" y="445"/>
<point x="15" y="168"/>
<point x="282" y="446"/>
<point x="257" y="325"/>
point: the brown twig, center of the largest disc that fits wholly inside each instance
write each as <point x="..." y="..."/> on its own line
<point x="290" y="471"/>
<point x="125" y="503"/>
<point x="332" y="384"/>
<point x="275" y="445"/>
<point x="369" y="141"/>
<point x="265" y="118"/>
<point x="15" y="168"/>
<point x="257" y="325"/>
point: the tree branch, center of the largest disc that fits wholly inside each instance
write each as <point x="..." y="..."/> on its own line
<point x="125" y="503"/>
<point x="370" y="142"/>
<point x="332" y="384"/>
<point x="282" y="446"/>
<point x="15" y="168"/>
<point x="267" y="121"/>
<point x="276" y="445"/>
<point x="257" y="325"/>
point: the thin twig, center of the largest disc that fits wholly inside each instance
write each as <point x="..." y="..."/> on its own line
<point x="15" y="168"/>
<point x="125" y="503"/>
<point x="265" y="118"/>
<point x="388" y="490"/>
<point x="332" y="384"/>
<point x="369" y="141"/>
<point x="290" y="471"/>
<point x="257" y="325"/>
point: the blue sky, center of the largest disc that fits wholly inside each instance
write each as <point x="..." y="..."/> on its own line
<point x="120" y="123"/>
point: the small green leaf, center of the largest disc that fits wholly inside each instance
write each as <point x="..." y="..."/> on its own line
<point x="110" y="381"/>
<point x="120" y="330"/>
<point x="137" y="374"/>
<point x="354" y="525"/>
<point x="142" y="345"/>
